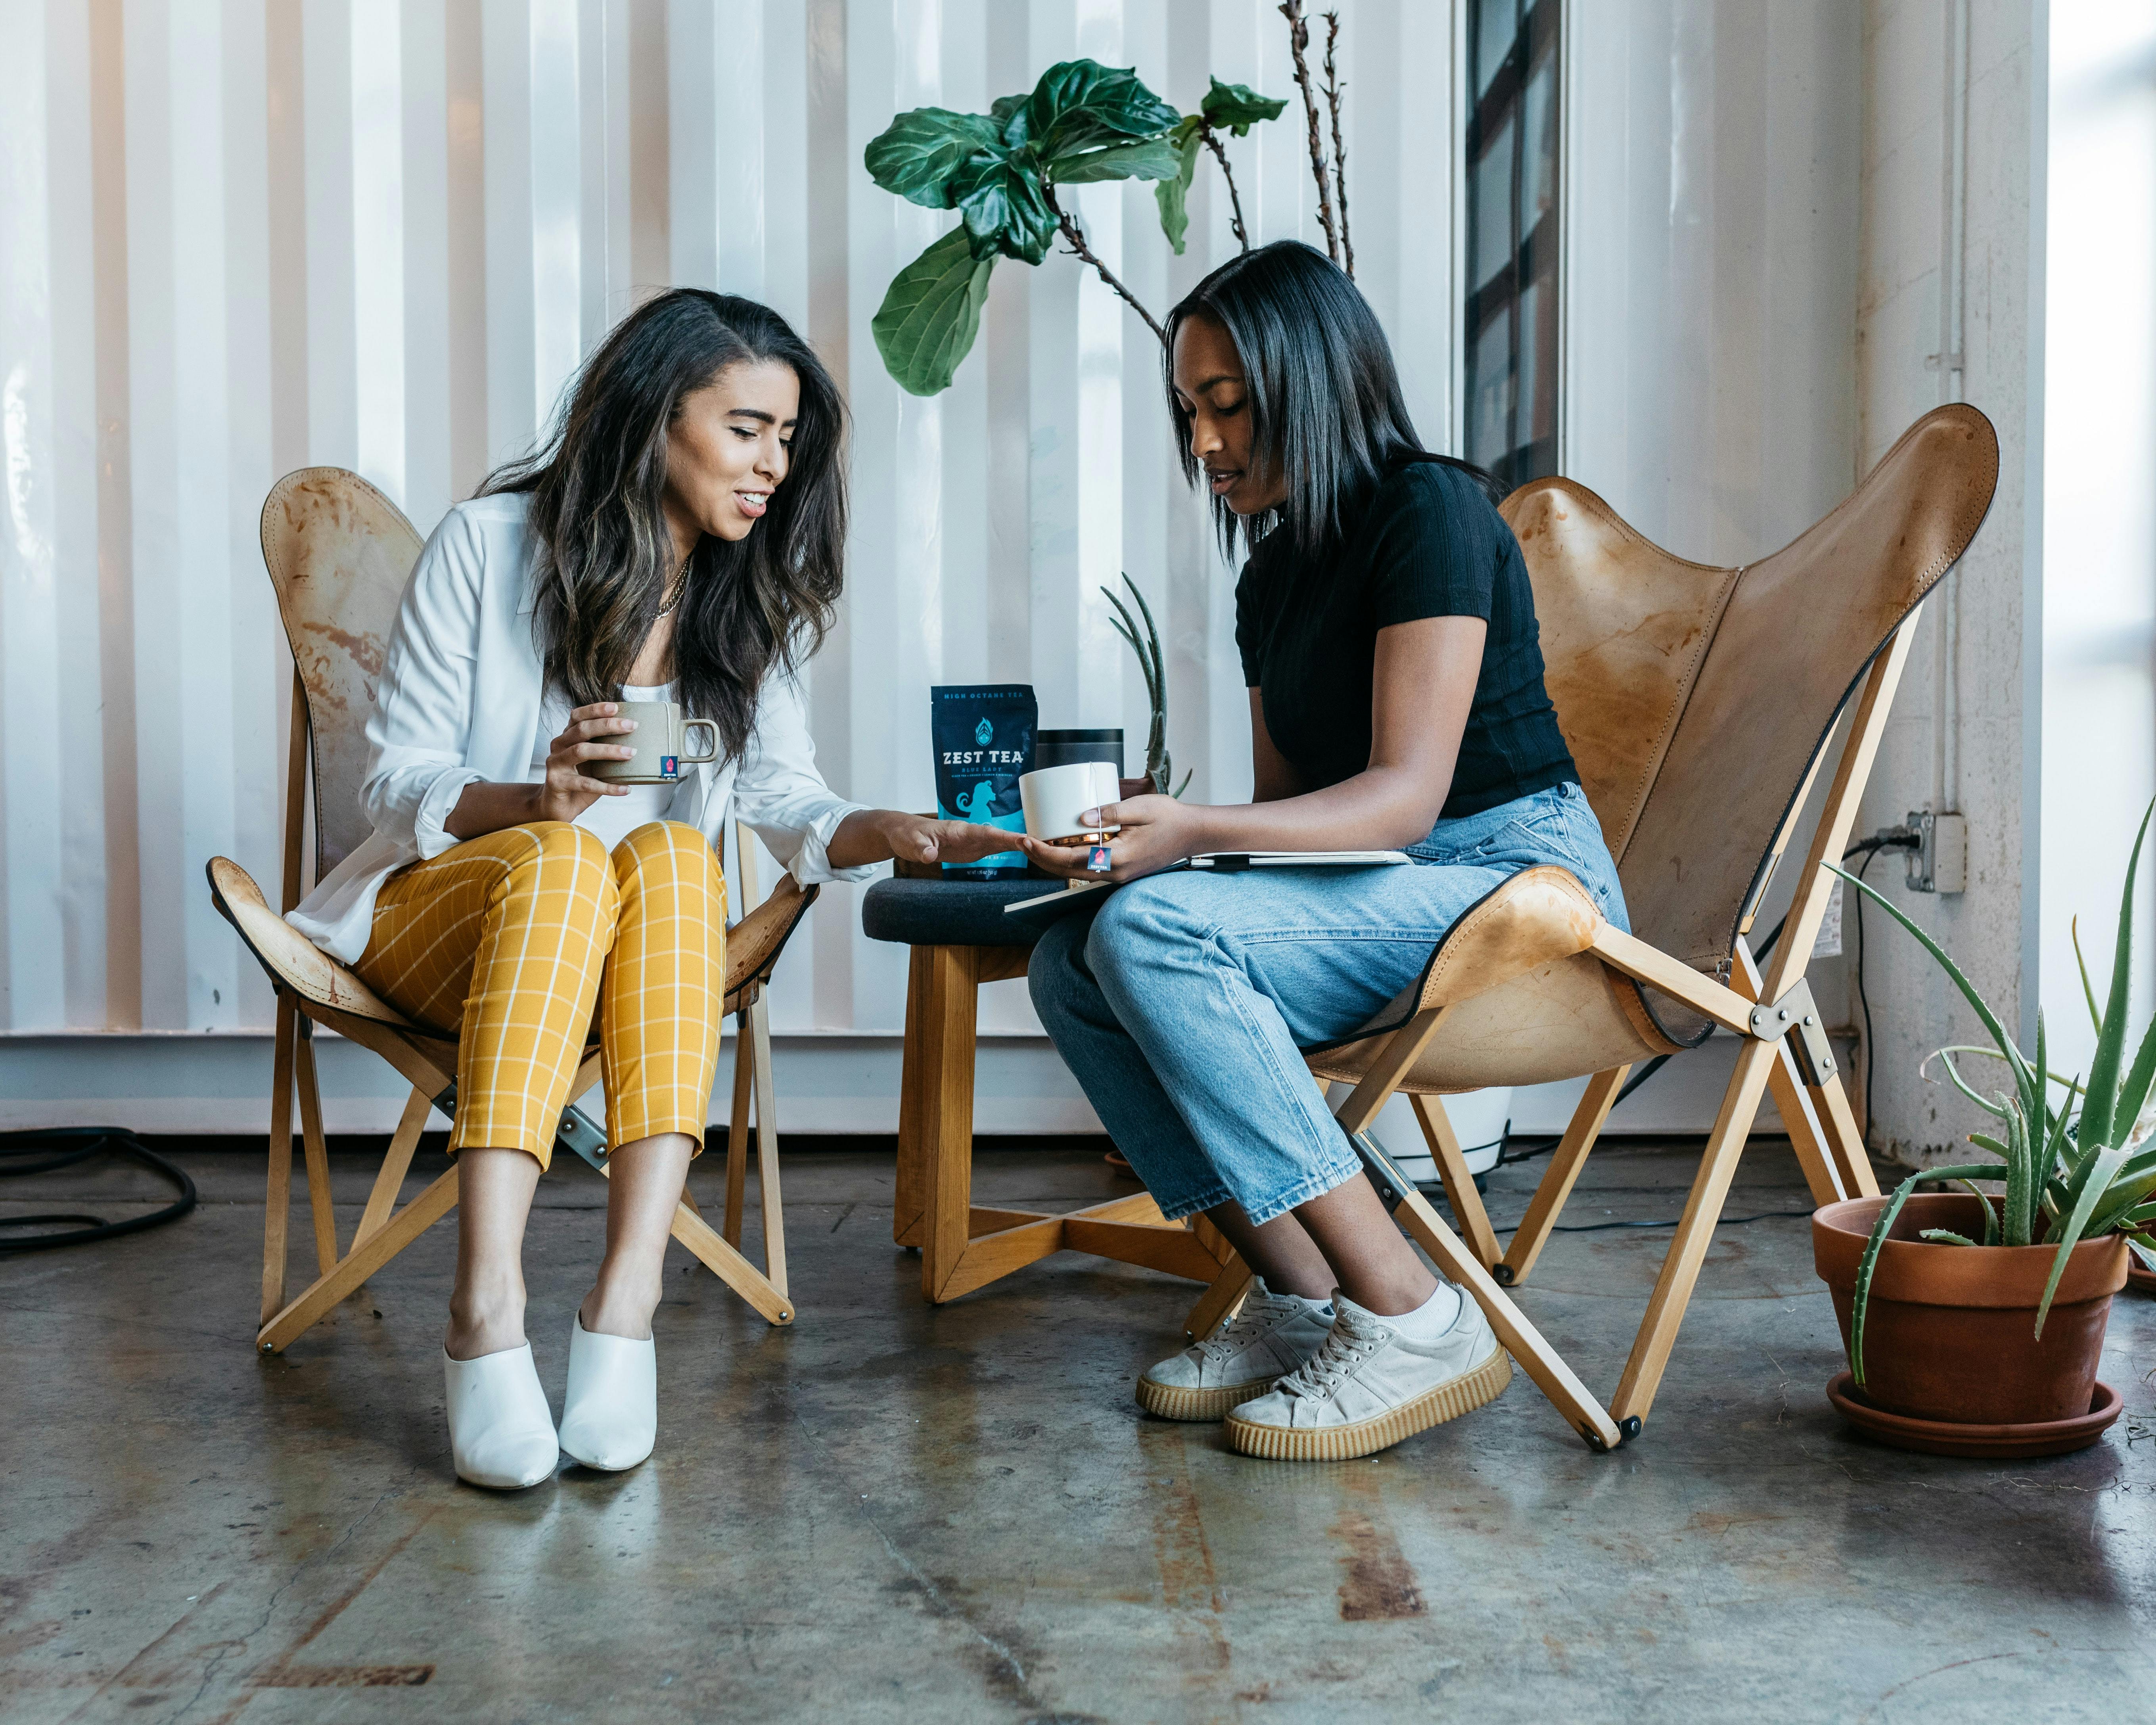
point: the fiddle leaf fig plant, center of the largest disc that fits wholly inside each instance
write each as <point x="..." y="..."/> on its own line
<point x="1083" y="122"/>
<point x="2068" y="1177"/>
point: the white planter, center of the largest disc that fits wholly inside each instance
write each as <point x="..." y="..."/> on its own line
<point x="1479" y="1119"/>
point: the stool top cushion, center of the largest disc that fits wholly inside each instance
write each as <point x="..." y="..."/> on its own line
<point x="952" y="913"/>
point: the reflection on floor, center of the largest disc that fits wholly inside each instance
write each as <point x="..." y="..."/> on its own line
<point x="893" y="1511"/>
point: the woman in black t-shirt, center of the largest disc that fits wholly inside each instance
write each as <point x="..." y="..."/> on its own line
<point x="1388" y="639"/>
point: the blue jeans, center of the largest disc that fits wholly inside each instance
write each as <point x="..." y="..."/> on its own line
<point x="1182" y="1004"/>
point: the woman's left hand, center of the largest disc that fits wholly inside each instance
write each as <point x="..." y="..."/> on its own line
<point x="1157" y="832"/>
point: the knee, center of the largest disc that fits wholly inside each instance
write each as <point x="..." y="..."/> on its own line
<point x="666" y="846"/>
<point x="560" y="854"/>
<point x="669" y="856"/>
<point x="1135" y="925"/>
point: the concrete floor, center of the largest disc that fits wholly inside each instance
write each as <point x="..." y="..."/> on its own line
<point x="892" y="1512"/>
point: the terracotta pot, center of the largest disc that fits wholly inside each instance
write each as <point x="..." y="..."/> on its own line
<point x="1948" y="1334"/>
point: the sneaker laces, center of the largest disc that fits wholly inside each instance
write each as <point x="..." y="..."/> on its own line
<point x="1347" y="1345"/>
<point x="1260" y="1312"/>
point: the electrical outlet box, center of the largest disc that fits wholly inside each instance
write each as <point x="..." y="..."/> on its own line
<point x="1940" y="861"/>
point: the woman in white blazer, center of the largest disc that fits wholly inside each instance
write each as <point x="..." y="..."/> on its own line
<point x="680" y="537"/>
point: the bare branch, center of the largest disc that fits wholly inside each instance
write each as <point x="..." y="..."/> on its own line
<point x="1235" y="197"/>
<point x="1084" y="254"/>
<point x="1332" y="88"/>
<point x="1298" y="41"/>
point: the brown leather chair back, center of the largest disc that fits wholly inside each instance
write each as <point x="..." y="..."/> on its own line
<point x="339" y="554"/>
<point x="1695" y="700"/>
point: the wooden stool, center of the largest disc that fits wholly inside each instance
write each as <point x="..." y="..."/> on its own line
<point x="960" y="938"/>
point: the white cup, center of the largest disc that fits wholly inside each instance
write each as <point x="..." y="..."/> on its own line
<point x="1054" y="798"/>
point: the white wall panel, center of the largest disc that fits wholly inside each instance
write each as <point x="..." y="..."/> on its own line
<point x="242" y="236"/>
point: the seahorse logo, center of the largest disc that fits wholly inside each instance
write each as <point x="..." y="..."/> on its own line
<point x="984" y="733"/>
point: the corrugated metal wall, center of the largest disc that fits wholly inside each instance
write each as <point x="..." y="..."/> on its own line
<point x="240" y="237"/>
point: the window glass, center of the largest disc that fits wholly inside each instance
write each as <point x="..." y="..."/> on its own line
<point x="1491" y="203"/>
<point x="1513" y="212"/>
<point x="1494" y="25"/>
<point x="1538" y="189"/>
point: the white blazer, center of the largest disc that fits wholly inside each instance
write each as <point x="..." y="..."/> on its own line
<point x="458" y="701"/>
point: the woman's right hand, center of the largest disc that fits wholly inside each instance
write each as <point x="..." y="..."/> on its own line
<point x="567" y="791"/>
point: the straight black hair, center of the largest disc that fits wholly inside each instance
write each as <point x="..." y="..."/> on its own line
<point x="1323" y="393"/>
<point x="752" y="606"/>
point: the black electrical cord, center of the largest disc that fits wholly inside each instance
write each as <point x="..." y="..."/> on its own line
<point x="41" y="1152"/>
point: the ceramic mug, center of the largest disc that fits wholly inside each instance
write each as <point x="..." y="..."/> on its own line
<point x="659" y="741"/>
<point x="1054" y="798"/>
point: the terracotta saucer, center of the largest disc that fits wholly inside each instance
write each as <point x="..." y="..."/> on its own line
<point x="1937" y="1437"/>
<point x="2137" y="1277"/>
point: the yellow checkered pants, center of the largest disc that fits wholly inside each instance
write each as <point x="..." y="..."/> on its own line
<point x="512" y="937"/>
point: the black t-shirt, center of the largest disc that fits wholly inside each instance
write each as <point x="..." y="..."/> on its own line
<point x="1426" y="543"/>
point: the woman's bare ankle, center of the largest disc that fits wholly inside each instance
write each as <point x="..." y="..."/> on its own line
<point x="619" y="1306"/>
<point x="482" y="1322"/>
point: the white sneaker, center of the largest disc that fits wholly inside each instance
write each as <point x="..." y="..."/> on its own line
<point x="610" y="1415"/>
<point x="1272" y="1333"/>
<point x="501" y="1431"/>
<point x="1370" y="1386"/>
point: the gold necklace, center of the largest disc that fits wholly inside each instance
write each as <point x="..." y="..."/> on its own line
<point x="678" y="586"/>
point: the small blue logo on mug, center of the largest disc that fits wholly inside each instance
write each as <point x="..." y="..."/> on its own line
<point x="671" y="766"/>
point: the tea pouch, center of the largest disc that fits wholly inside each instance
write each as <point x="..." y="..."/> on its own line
<point x="984" y="738"/>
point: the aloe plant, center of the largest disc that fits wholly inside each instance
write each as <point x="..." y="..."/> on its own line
<point x="2069" y="1176"/>
<point x="1159" y="768"/>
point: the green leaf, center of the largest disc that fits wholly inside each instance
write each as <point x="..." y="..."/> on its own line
<point x="2021" y="1153"/>
<point x="1082" y="104"/>
<point x="1172" y="194"/>
<point x="2094" y="1178"/>
<point x="1944" y="1236"/>
<point x="2100" y="1099"/>
<point x="1008" y="114"/>
<point x="1001" y="195"/>
<point x="931" y="314"/>
<point x="1238" y="107"/>
<point x="1944" y="1056"/>
<point x="2024" y="1081"/>
<point x="917" y="153"/>
<point x="2125" y="1196"/>
<point x="1148" y="159"/>
<point x="1861" y="1298"/>
<point x="1990" y="1212"/>
<point x="2096" y="1017"/>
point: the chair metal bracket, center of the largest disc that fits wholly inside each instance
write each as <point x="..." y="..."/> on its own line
<point x="1796" y="1016"/>
<point x="576" y="1132"/>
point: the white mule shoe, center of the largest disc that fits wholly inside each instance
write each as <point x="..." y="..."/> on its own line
<point x="610" y="1415"/>
<point x="501" y="1431"/>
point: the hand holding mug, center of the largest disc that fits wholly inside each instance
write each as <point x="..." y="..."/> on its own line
<point x="568" y="789"/>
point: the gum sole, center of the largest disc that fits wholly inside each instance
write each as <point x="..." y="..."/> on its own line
<point x="1171" y="1401"/>
<point x="1459" y="1395"/>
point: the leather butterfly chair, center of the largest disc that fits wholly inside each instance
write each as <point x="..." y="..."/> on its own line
<point x="339" y="554"/>
<point x="1699" y="704"/>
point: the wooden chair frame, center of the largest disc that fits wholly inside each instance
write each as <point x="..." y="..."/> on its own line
<point x="964" y="1245"/>
<point x="1784" y="1049"/>
<point x="426" y="1060"/>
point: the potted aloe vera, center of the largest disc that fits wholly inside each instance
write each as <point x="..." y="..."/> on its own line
<point x="1974" y="1321"/>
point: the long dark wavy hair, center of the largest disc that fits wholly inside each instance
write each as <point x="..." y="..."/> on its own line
<point x="1323" y="393"/>
<point x="752" y="606"/>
